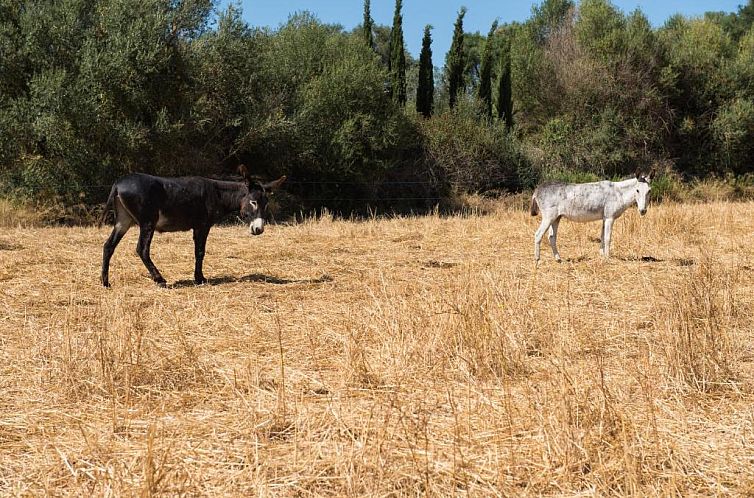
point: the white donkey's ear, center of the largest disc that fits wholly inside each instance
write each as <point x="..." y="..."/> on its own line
<point x="644" y="178"/>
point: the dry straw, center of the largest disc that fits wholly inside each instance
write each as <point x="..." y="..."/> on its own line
<point x="421" y="355"/>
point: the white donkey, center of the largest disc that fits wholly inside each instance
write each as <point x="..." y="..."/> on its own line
<point x="584" y="202"/>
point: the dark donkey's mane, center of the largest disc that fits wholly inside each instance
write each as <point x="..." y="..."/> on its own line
<point x="230" y="194"/>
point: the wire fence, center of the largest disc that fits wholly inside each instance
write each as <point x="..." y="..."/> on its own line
<point x="386" y="186"/>
<point x="392" y="197"/>
<point x="290" y="181"/>
<point x="294" y="182"/>
<point x="395" y="196"/>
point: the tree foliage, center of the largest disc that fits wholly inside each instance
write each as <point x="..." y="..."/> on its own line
<point x="455" y="62"/>
<point x="504" y="88"/>
<point x="425" y="91"/>
<point x="367" y="25"/>
<point x="485" y="73"/>
<point x="397" y="64"/>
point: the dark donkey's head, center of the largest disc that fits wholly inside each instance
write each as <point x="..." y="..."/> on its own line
<point x="254" y="203"/>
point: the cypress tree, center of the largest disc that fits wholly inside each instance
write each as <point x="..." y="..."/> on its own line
<point x="397" y="61"/>
<point x="485" y="72"/>
<point x="504" y="98"/>
<point x="368" y="24"/>
<point x="425" y="91"/>
<point x="455" y="62"/>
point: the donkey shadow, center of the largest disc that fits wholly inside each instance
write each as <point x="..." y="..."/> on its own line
<point x="577" y="259"/>
<point x="642" y="259"/>
<point x="652" y="259"/>
<point x="633" y="259"/>
<point x="255" y="277"/>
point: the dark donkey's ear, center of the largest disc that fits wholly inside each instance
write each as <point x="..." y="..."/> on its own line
<point x="639" y="176"/>
<point x="275" y="184"/>
<point x="244" y="171"/>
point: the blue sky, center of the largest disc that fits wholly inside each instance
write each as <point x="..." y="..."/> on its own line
<point x="441" y="14"/>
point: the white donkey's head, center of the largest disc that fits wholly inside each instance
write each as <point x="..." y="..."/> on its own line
<point x="642" y="192"/>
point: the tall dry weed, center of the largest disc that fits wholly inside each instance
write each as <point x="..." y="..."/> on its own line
<point x="115" y="355"/>
<point x="15" y="214"/>
<point x="493" y="329"/>
<point x="697" y="324"/>
<point x="483" y="327"/>
<point x="587" y="433"/>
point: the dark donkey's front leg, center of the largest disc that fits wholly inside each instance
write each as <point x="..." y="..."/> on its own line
<point x="200" y="241"/>
<point x="142" y="249"/>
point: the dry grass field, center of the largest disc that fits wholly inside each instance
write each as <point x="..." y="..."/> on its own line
<point x="385" y="357"/>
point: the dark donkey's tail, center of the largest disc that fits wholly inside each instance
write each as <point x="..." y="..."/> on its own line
<point x="534" y="207"/>
<point x="108" y="205"/>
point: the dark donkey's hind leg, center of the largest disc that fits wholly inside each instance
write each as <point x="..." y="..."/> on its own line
<point x="107" y="251"/>
<point x="142" y="248"/>
<point x="200" y="241"/>
<point x="122" y="223"/>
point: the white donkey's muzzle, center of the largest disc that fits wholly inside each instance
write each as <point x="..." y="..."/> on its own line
<point x="257" y="226"/>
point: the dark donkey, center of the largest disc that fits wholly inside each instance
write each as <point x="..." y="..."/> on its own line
<point x="180" y="204"/>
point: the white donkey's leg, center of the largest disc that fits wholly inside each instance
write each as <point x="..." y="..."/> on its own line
<point x="546" y="222"/>
<point x="602" y="239"/>
<point x="607" y="233"/>
<point x="554" y="239"/>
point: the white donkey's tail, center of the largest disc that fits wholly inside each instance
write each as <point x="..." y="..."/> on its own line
<point x="534" y="207"/>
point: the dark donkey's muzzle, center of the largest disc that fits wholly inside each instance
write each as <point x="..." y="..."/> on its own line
<point x="256" y="227"/>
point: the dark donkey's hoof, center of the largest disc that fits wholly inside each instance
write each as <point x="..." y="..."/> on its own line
<point x="161" y="282"/>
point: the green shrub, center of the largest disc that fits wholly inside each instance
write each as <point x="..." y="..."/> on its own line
<point x="570" y="176"/>
<point x="667" y="186"/>
<point x="475" y="155"/>
<point x="733" y="129"/>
